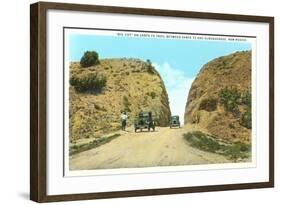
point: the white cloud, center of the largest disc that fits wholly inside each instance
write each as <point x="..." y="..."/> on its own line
<point x="177" y="85"/>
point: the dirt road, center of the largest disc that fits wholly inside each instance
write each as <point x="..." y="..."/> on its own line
<point x="163" y="147"/>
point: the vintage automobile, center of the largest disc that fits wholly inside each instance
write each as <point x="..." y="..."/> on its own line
<point x="175" y="121"/>
<point x="144" y="121"/>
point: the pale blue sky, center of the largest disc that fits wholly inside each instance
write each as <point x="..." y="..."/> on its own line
<point x="186" y="55"/>
<point x="177" y="61"/>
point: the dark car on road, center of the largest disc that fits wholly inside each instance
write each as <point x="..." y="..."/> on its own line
<point x="144" y="121"/>
<point x="175" y="121"/>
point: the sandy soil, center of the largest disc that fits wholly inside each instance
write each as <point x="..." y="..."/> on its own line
<point x="163" y="147"/>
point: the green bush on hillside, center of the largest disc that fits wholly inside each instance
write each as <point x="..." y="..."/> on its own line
<point x="89" y="58"/>
<point x="149" y="66"/>
<point x="88" y="82"/>
<point x="247" y="99"/>
<point x="230" y="97"/>
<point x="246" y="119"/>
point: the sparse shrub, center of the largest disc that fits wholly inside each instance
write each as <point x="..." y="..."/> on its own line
<point x="230" y="97"/>
<point x="88" y="82"/>
<point x="127" y="73"/>
<point x="208" y="104"/>
<point x="149" y="67"/>
<point x="246" y="99"/>
<point x="97" y="106"/>
<point x="89" y="58"/>
<point x="246" y="119"/>
<point x="237" y="150"/>
<point x="152" y="94"/>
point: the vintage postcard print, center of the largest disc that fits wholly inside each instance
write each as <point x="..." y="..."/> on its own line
<point x="148" y="99"/>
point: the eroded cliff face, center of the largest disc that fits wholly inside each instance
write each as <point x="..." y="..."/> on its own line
<point x="220" y="98"/>
<point x="131" y="85"/>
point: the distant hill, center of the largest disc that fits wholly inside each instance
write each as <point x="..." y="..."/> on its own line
<point x="131" y="85"/>
<point x="220" y="98"/>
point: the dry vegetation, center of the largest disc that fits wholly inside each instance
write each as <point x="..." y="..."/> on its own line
<point x="220" y="98"/>
<point x="103" y="90"/>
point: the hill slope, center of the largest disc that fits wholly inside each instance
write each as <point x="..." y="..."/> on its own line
<point x="220" y="98"/>
<point x="131" y="85"/>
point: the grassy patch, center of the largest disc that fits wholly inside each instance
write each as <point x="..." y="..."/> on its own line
<point x="75" y="149"/>
<point x="208" y="143"/>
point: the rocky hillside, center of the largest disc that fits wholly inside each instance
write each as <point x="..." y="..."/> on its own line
<point x="220" y="98"/>
<point x="131" y="85"/>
